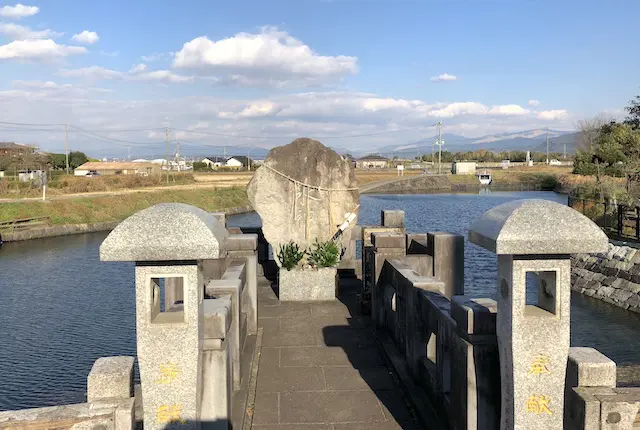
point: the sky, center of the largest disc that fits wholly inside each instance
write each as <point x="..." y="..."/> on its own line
<point x="354" y="74"/>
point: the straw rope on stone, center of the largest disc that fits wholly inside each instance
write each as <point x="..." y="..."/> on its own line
<point x="315" y="187"/>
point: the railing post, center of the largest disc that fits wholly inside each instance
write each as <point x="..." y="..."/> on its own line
<point x="533" y="335"/>
<point x="582" y="206"/>
<point x="637" y="223"/>
<point x="620" y="209"/>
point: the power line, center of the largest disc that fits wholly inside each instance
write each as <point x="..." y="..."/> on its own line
<point x="89" y="133"/>
<point x="31" y="124"/>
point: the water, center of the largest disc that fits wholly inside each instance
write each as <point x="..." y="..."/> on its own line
<point x="61" y="308"/>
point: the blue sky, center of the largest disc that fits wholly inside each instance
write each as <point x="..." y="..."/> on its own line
<point x="282" y="69"/>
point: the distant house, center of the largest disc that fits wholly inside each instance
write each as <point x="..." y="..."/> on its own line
<point x="214" y="161"/>
<point x="463" y="168"/>
<point x="118" y="168"/>
<point x="372" y="162"/>
<point x="13" y="149"/>
<point x="237" y="161"/>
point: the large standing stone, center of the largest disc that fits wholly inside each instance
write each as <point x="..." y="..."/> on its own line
<point x="302" y="192"/>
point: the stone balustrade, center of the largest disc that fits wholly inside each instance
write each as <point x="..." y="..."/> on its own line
<point x="484" y="369"/>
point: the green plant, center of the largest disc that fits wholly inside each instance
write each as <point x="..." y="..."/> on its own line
<point x="324" y="254"/>
<point x="290" y="255"/>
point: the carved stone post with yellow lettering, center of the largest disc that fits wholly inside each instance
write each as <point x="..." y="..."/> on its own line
<point x="533" y="240"/>
<point x="168" y="243"/>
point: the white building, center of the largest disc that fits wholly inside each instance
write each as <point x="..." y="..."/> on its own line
<point x="463" y="168"/>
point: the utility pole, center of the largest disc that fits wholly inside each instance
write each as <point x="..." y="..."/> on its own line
<point x="166" y="141"/>
<point x="547" y="145"/>
<point x="129" y="152"/>
<point x="66" y="146"/>
<point x="440" y="142"/>
<point x="565" y="151"/>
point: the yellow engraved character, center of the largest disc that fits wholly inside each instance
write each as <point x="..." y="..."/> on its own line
<point x="168" y="373"/>
<point x="540" y="365"/>
<point x="539" y="404"/>
<point x="170" y="413"/>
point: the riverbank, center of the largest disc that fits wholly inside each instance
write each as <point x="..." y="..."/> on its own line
<point x="502" y="180"/>
<point x="103" y="213"/>
<point x="613" y="277"/>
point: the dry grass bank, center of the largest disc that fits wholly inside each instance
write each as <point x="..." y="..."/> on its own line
<point x="64" y="184"/>
<point x="117" y="208"/>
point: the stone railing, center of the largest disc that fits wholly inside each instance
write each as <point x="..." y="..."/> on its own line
<point x="196" y="309"/>
<point x="110" y="402"/>
<point x="484" y="369"/>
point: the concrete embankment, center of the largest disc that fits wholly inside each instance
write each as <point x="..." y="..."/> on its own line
<point x="447" y="183"/>
<point x="613" y="277"/>
<point x="64" y="230"/>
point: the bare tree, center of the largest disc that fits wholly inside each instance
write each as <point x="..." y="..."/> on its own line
<point x="588" y="131"/>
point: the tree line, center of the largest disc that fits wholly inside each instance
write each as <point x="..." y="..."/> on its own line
<point x="34" y="160"/>
<point x="485" y="156"/>
<point x="608" y="147"/>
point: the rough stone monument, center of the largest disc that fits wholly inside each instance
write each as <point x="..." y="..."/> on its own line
<point x="168" y="243"/>
<point x="533" y="240"/>
<point x="302" y="192"/>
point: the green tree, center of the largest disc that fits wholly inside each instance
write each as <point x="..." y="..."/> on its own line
<point x="199" y="167"/>
<point x="633" y="110"/>
<point x="77" y="159"/>
<point x="58" y="161"/>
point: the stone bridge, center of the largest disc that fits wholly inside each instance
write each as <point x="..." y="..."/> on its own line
<point x="402" y="347"/>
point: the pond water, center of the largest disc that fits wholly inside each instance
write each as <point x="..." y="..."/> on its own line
<point x="62" y="308"/>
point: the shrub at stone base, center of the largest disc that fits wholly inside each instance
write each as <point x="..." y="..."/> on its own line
<point x="316" y="280"/>
<point x="290" y="255"/>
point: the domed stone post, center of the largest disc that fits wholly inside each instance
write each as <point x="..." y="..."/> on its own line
<point x="533" y="240"/>
<point x="168" y="243"/>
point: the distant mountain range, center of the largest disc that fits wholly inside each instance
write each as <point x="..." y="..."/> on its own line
<point x="528" y="140"/>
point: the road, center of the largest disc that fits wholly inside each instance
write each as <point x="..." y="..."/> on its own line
<point x="128" y="191"/>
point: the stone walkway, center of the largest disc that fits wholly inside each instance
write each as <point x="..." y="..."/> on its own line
<point x="320" y="368"/>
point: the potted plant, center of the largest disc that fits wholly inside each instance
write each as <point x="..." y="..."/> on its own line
<point x="316" y="279"/>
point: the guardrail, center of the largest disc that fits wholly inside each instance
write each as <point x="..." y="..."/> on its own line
<point x="617" y="221"/>
<point x="22" y="223"/>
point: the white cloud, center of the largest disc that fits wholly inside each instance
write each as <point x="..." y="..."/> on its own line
<point x="277" y="119"/>
<point x="37" y="50"/>
<point x="18" y="11"/>
<point x="86" y="37"/>
<point x="92" y="72"/>
<point x="138" y="68"/>
<point x="534" y="103"/>
<point x="21" y="32"/>
<point x="164" y="76"/>
<point x="137" y="73"/>
<point x="552" y="115"/>
<point x="443" y="78"/>
<point x="157" y="56"/>
<point x="268" y="58"/>
<point x="38" y="84"/>
<point x="508" y="110"/>
<point x="110" y="54"/>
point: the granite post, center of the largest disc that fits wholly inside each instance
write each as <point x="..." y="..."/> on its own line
<point x="168" y="243"/>
<point x="385" y="246"/>
<point x="533" y="240"/>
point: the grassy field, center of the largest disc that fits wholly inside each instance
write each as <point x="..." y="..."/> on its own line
<point x="117" y="208"/>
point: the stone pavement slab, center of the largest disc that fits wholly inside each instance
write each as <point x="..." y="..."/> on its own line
<point x="321" y="368"/>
